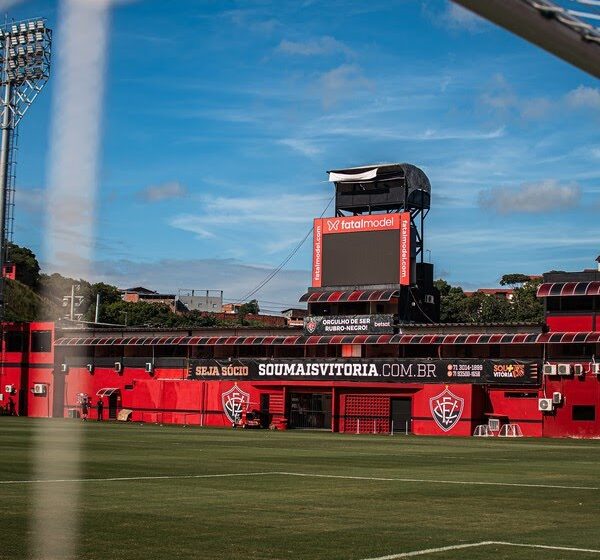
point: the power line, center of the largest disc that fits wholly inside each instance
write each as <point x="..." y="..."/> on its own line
<point x="276" y="271"/>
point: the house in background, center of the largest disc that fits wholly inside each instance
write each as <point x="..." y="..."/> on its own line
<point x="139" y="293"/>
<point x="294" y="316"/>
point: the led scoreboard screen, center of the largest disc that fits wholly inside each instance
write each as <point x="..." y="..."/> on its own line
<point x="362" y="250"/>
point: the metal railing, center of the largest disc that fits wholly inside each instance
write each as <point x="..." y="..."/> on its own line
<point x="374" y="425"/>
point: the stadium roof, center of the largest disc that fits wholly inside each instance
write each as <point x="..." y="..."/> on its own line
<point x="301" y="340"/>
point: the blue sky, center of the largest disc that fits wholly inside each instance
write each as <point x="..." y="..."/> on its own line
<point x="221" y="118"/>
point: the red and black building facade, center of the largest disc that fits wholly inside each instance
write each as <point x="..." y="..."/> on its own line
<point x="371" y="357"/>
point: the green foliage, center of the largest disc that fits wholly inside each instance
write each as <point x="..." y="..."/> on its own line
<point x="442" y="286"/>
<point x="40" y="297"/>
<point x="457" y="307"/>
<point x="250" y="307"/>
<point x="514" y="279"/>
<point x="153" y="315"/>
<point x="23" y="304"/>
<point x="489" y="308"/>
<point x="28" y="268"/>
<point x="527" y="307"/>
<point x="453" y="306"/>
<point x="108" y="295"/>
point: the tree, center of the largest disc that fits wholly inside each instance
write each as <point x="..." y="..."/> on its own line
<point x="250" y="307"/>
<point x="28" y="268"/>
<point x="108" y="294"/>
<point x="456" y="307"/>
<point x="453" y="305"/>
<point x="514" y="279"/>
<point x="526" y="306"/>
<point x="490" y="308"/>
<point x="442" y="286"/>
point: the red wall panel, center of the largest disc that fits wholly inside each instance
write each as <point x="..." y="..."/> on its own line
<point x="424" y="423"/>
<point x="40" y="406"/>
<point x="576" y="390"/>
<point x="570" y="323"/>
<point x="513" y="408"/>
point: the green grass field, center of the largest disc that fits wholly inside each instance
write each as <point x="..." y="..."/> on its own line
<point x="396" y="496"/>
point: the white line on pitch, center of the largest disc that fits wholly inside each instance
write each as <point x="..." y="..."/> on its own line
<point x="306" y="475"/>
<point x="429" y="551"/>
<point x="426" y="551"/>
<point x="436" y="481"/>
<point x="126" y="478"/>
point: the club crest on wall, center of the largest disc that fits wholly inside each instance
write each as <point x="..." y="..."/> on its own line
<point x="235" y="401"/>
<point x="446" y="409"/>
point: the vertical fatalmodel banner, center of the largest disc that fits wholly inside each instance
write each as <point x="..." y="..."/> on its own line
<point x="405" y="249"/>
<point x="317" y="270"/>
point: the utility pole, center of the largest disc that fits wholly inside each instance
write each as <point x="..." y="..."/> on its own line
<point x="97" y="316"/>
<point x="73" y="302"/>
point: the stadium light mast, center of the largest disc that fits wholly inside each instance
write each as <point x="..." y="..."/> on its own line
<point x="25" y="52"/>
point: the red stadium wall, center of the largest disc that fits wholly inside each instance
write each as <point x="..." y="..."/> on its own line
<point x="570" y="323"/>
<point x="424" y="423"/>
<point x="166" y="396"/>
<point x="576" y="391"/>
<point x="25" y="368"/>
<point x="369" y="412"/>
<point x="512" y="406"/>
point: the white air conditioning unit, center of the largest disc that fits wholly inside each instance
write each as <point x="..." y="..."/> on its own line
<point x="545" y="405"/>
<point x="556" y="397"/>
<point x="90" y="368"/>
<point x="149" y="368"/>
<point x="549" y="369"/>
<point x="118" y="367"/>
<point x="596" y="368"/>
<point x="39" y="389"/>
<point x="494" y="424"/>
<point x="64" y="368"/>
<point x="578" y="369"/>
<point x="10" y="389"/>
<point x="564" y="369"/>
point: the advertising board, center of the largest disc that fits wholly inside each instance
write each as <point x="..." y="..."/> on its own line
<point x="362" y="250"/>
<point x="349" y="324"/>
<point x="483" y="372"/>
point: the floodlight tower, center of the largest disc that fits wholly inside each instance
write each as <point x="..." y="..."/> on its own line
<point x="25" y="49"/>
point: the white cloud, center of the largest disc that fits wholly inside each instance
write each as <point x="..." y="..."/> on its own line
<point x="536" y="108"/>
<point x="312" y="47"/>
<point x="193" y="224"/>
<point x="383" y="133"/>
<point x="164" y="191"/>
<point x="253" y="20"/>
<point x="584" y="97"/>
<point x="531" y="198"/>
<point x="458" y="18"/>
<point x="274" y="215"/>
<point x="305" y="147"/>
<point x="344" y="81"/>
<point x="454" y="18"/>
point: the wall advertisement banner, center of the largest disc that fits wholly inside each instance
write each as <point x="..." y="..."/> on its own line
<point x="349" y="324"/>
<point x="449" y="371"/>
